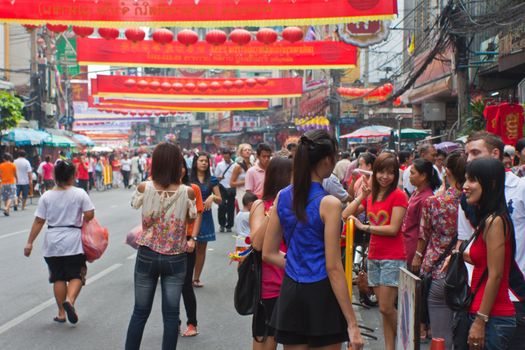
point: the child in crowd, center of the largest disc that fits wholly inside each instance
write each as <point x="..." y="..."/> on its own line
<point x="242" y="222"/>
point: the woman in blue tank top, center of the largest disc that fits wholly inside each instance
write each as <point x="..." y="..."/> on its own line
<point x="314" y="309"/>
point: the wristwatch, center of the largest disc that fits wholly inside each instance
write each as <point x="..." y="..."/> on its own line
<point x="194" y="238"/>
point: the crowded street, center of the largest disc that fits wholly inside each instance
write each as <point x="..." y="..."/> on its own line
<point x="107" y="299"/>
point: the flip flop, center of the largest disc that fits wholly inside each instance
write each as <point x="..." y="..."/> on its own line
<point x="70" y="312"/>
<point x="197" y="284"/>
<point x="59" y="320"/>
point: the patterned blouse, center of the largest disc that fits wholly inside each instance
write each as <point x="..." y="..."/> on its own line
<point x="438" y="227"/>
<point x="164" y="215"/>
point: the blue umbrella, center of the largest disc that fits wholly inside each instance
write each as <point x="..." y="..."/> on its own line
<point x="25" y="137"/>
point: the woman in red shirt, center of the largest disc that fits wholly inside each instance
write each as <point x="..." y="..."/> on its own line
<point x="491" y="312"/>
<point x="385" y="205"/>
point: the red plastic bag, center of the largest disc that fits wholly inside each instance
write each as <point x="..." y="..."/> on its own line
<point x="131" y="238"/>
<point x="95" y="239"/>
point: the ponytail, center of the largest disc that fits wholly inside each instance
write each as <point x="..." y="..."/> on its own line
<point x="313" y="146"/>
<point x="426" y="167"/>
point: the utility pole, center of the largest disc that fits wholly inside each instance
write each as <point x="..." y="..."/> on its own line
<point x="462" y="79"/>
<point x="335" y="104"/>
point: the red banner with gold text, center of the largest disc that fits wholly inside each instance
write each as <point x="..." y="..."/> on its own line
<point x="183" y="88"/>
<point x="194" y="13"/>
<point x="194" y="106"/>
<point x="255" y="55"/>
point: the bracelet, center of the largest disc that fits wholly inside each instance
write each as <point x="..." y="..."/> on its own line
<point x="483" y="317"/>
<point x="419" y="254"/>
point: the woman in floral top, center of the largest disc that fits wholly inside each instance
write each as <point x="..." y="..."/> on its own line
<point x="167" y="206"/>
<point x="438" y="229"/>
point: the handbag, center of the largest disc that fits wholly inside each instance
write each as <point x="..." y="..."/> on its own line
<point x="248" y="288"/>
<point x="426" y="280"/>
<point x="458" y="294"/>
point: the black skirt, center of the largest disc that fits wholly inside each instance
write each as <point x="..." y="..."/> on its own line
<point x="309" y="309"/>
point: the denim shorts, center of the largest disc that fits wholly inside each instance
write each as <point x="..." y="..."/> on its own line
<point x="384" y="272"/>
<point x="8" y="192"/>
<point x="24" y="189"/>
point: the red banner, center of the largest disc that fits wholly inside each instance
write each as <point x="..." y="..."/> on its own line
<point x="183" y="88"/>
<point x="195" y="13"/>
<point x="255" y="55"/>
<point x="194" y="106"/>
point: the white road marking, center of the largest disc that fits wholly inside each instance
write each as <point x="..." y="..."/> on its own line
<point x="211" y="249"/>
<point x="30" y="313"/>
<point x="132" y="256"/>
<point x="13" y="234"/>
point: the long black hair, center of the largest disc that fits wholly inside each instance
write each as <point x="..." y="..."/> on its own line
<point x="277" y="176"/>
<point x="490" y="174"/>
<point x="207" y="175"/>
<point x="186" y="178"/>
<point x="426" y="168"/>
<point x="314" y="146"/>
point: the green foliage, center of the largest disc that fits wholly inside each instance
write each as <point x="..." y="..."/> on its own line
<point x="475" y="121"/>
<point x="10" y="110"/>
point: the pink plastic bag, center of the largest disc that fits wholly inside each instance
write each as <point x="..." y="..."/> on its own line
<point x="95" y="239"/>
<point x="131" y="238"/>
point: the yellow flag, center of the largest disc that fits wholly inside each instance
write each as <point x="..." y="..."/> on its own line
<point x="411" y="44"/>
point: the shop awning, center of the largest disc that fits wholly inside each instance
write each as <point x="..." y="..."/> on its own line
<point x="25" y="137"/>
<point x="409" y="133"/>
<point x="59" y="141"/>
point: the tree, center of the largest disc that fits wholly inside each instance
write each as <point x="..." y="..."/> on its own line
<point x="10" y="111"/>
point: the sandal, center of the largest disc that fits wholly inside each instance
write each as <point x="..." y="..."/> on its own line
<point x="191" y="331"/>
<point x="197" y="284"/>
<point x="59" y="320"/>
<point x="70" y="312"/>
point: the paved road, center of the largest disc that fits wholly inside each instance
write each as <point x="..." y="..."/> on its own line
<point x="105" y="304"/>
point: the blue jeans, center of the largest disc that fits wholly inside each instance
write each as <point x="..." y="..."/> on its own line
<point x="498" y="332"/>
<point x="149" y="267"/>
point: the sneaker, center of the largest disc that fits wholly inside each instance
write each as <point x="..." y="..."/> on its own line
<point x="221" y="229"/>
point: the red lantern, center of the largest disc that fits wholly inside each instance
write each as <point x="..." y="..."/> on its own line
<point x="142" y="84"/>
<point x="240" y="36"/>
<point x="141" y="114"/>
<point x="177" y="86"/>
<point x="109" y="33"/>
<point x="227" y="84"/>
<point x="135" y="34"/>
<point x="187" y="37"/>
<point x="162" y="36"/>
<point x="130" y="83"/>
<point x="397" y="102"/>
<point x="202" y="86"/>
<point x="165" y="86"/>
<point x="133" y="113"/>
<point x="266" y="36"/>
<point x="57" y="28"/>
<point x="30" y="27"/>
<point x="83" y="31"/>
<point x="190" y="86"/>
<point x="251" y="82"/>
<point x="239" y="83"/>
<point x="292" y="34"/>
<point x="215" y="85"/>
<point x="261" y="80"/>
<point x="154" y="84"/>
<point x="216" y="37"/>
<point x="388" y="88"/>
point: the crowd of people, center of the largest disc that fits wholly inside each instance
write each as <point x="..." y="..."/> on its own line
<point x="412" y="208"/>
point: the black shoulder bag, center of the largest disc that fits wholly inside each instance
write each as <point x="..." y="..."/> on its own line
<point x="458" y="294"/>
<point x="426" y="279"/>
<point x="248" y="288"/>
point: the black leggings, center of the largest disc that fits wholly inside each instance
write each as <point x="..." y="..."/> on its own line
<point x="188" y="295"/>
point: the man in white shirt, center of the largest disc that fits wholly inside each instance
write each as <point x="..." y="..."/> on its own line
<point x="483" y="144"/>
<point x="24" y="174"/>
<point x="125" y="169"/>
<point x="425" y="151"/>
<point x="223" y="173"/>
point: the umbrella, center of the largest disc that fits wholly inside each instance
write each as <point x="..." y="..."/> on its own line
<point x="83" y="140"/>
<point x="409" y="133"/>
<point x="368" y="132"/>
<point x="101" y="149"/>
<point x="58" y="141"/>
<point x="447" y="146"/>
<point x="25" y="137"/>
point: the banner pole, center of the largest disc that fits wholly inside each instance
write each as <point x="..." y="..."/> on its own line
<point x="349" y="254"/>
